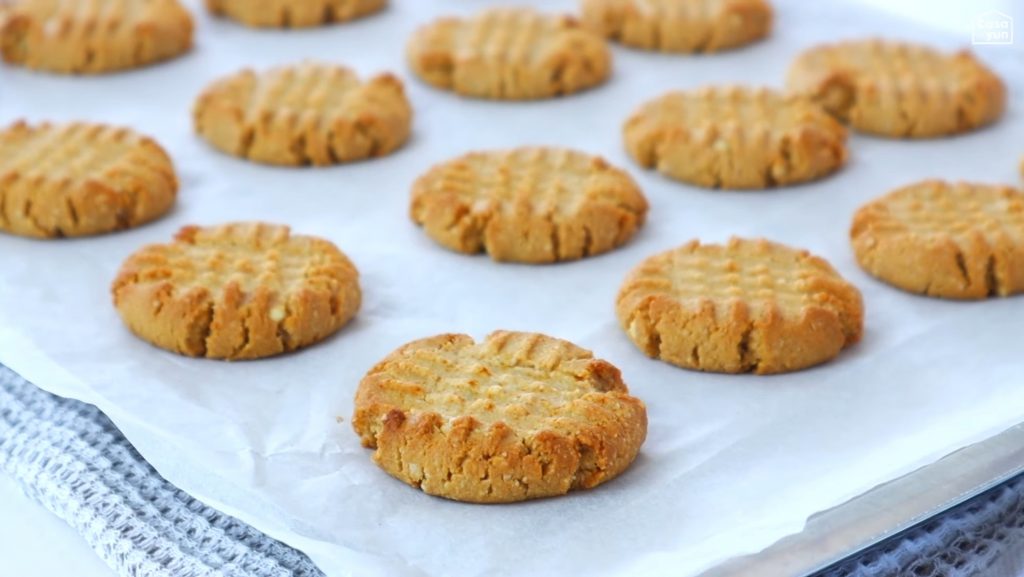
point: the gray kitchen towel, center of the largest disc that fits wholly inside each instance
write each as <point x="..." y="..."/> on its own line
<point x="69" y="457"/>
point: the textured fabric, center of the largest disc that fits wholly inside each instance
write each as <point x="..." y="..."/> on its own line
<point x="984" y="536"/>
<point x="68" y="456"/>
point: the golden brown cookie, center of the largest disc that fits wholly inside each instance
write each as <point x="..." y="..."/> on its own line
<point x="93" y="36"/>
<point x="237" y="291"/>
<point x="309" y="113"/>
<point x="293" y="13"/>
<point x="533" y="205"/>
<point x="80" y="179"/>
<point x="516" y="416"/>
<point x="736" y="137"/>
<point x="899" y="89"/>
<point x="746" y="306"/>
<point x="959" y="241"/>
<point x="509" y="54"/>
<point x="680" y="25"/>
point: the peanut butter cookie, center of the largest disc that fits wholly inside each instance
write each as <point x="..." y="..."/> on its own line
<point x="899" y="89"/>
<point x="509" y="54"/>
<point x="746" y="306"/>
<point x="680" y="25"/>
<point x="293" y="13"/>
<point x="958" y="241"/>
<point x="237" y="291"/>
<point x="736" y="137"/>
<point x="93" y="36"/>
<point x="310" y="113"/>
<point x="516" y="416"/>
<point x="80" y="179"/>
<point x="533" y="205"/>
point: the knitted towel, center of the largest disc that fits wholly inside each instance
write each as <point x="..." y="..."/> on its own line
<point x="70" y="458"/>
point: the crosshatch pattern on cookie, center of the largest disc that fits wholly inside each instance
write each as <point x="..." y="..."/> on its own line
<point x="680" y="25"/>
<point x="736" y="137"/>
<point x="516" y="416"/>
<point x="529" y="204"/>
<point x="953" y="240"/>
<point x="237" y="291"/>
<point x="509" y="53"/>
<point x="310" y="113"/>
<point x="80" y="179"/>
<point x="93" y="36"/>
<point x="899" y="89"/>
<point x="293" y="13"/>
<point x="746" y="306"/>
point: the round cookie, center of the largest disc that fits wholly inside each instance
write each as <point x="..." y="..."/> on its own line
<point x="293" y="13"/>
<point x="736" y="137"/>
<point x="95" y="36"/>
<point x="509" y="54"/>
<point x="516" y="416"/>
<point x="958" y="241"/>
<point x="532" y="205"/>
<point x="680" y="25"/>
<point x="80" y="179"/>
<point x="745" y="306"/>
<point x="899" y="89"/>
<point x="237" y="291"/>
<point x="305" y="114"/>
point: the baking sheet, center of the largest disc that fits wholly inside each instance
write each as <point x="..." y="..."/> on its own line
<point x="732" y="463"/>
<point x="887" y="510"/>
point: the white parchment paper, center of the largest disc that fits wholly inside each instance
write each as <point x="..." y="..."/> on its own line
<point x="732" y="463"/>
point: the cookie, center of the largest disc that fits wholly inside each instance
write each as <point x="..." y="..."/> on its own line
<point x="80" y="179"/>
<point x="736" y="137"/>
<point x="310" y="113"/>
<point x="293" y="13"/>
<point x="899" y="89"/>
<point x="958" y="241"/>
<point x="745" y="306"/>
<point x="94" y="36"/>
<point x="516" y="416"/>
<point x="509" y="54"/>
<point x="680" y="25"/>
<point x="237" y="291"/>
<point x="531" y="205"/>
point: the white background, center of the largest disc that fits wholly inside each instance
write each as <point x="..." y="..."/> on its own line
<point x="19" y="530"/>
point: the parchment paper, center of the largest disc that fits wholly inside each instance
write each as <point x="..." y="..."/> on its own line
<point x="732" y="463"/>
